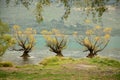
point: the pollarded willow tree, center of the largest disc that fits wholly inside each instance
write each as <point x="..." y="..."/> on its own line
<point x="55" y="40"/>
<point x="25" y="40"/>
<point x="5" y="39"/>
<point x="94" y="40"/>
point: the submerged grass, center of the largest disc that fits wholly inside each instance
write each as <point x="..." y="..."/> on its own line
<point x="52" y="68"/>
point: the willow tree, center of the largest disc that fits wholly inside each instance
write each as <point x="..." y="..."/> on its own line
<point x="94" y="40"/>
<point x="5" y="39"/>
<point x="55" y="40"/>
<point x="25" y="40"/>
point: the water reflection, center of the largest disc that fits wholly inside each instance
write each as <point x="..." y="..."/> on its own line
<point x="96" y="8"/>
<point x="35" y="57"/>
<point x="26" y="60"/>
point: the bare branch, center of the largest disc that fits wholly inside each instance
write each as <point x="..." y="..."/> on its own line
<point x="103" y="47"/>
<point x="13" y="49"/>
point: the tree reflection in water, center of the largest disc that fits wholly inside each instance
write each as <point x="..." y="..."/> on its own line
<point x="96" y="8"/>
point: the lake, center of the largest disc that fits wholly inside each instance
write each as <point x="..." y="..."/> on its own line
<point x="73" y="50"/>
<point x="52" y="19"/>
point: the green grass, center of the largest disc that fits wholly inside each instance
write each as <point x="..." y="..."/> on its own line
<point x="117" y="76"/>
<point x="56" y="61"/>
<point x="103" y="61"/>
<point x="99" y="61"/>
<point x="61" y="68"/>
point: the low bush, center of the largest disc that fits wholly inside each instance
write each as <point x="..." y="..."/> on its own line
<point x="6" y="64"/>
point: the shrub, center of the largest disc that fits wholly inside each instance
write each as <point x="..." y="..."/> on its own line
<point x="5" y="39"/>
<point x="6" y="64"/>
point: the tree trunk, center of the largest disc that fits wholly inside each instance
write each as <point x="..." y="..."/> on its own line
<point x="91" y="54"/>
<point x="59" y="54"/>
<point x="25" y="54"/>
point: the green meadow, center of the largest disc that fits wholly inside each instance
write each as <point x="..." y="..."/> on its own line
<point x="63" y="68"/>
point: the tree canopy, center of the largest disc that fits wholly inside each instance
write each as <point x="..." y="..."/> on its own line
<point x="25" y="39"/>
<point x="55" y="40"/>
<point x="94" y="40"/>
<point x="5" y="39"/>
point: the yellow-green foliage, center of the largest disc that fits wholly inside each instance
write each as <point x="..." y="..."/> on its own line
<point x="6" y="64"/>
<point x="38" y="12"/>
<point x="39" y="9"/>
<point x="3" y="27"/>
<point x="55" y="40"/>
<point x="95" y="39"/>
<point x="25" y="39"/>
<point x="5" y="39"/>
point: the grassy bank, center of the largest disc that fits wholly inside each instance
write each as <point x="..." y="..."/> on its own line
<point x="60" y="68"/>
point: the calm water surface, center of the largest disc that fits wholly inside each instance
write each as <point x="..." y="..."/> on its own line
<point x="73" y="50"/>
<point x="52" y="19"/>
